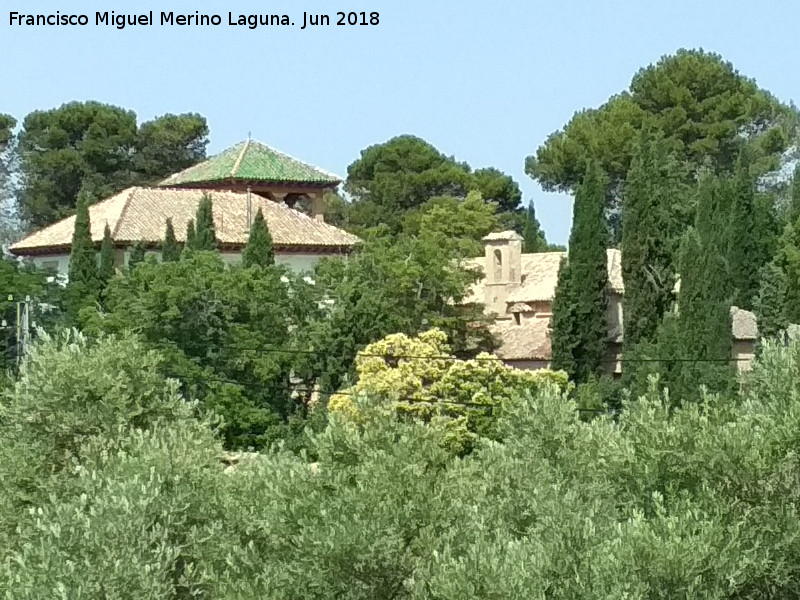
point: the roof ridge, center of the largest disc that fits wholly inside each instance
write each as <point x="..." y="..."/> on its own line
<point x="294" y="158"/>
<point x="239" y="158"/>
<point x="130" y="191"/>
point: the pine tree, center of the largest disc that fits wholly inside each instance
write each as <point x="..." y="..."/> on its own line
<point x="137" y="255"/>
<point x="188" y="245"/>
<point x="106" y="271"/>
<point x="259" y="249"/>
<point x="532" y="235"/>
<point x="744" y="244"/>
<point x="170" y="250"/>
<point x="83" y="283"/>
<point x="579" y="328"/>
<point x="205" y="236"/>
<point x="653" y="186"/>
<point x="771" y="301"/>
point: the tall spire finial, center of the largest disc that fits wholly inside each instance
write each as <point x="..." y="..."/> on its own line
<point x="248" y="136"/>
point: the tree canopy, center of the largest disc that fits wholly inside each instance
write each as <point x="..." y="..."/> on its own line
<point x="100" y="149"/>
<point x="220" y="343"/>
<point x="406" y="172"/>
<point x="705" y="109"/>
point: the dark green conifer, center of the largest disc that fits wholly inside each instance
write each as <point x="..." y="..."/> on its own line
<point x="84" y="283"/>
<point x="188" y="246"/>
<point x="771" y="302"/>
<point x="794" y="199"/>
<point x="789" y="259"/>
<point x="259" y="249"/>
<point x="533" y="238"/>
<point x="170" y="250"/>
<point x="106" y="271"/>
<point x="579" y="327"/>
<point x="744" y="250"/>
<point x="205" y="235"/>
<point x="703" y="323"/>
<point x="653" y="187"/>
<point x="563" y="338"/>
<point x="137" y="255"/>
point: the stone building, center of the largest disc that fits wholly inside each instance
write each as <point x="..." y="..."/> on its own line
<point x="519" y="289"/>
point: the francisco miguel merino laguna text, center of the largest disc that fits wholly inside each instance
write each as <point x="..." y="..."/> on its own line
<point x="251" y="21"/>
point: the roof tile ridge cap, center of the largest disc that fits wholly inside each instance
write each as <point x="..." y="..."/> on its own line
<point x="131" y="191"/>
<point x="239" y="158"/>
<point x="302" y="162"/>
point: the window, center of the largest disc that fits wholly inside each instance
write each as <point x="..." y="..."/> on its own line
<point x="50" y="265"/>
<point x="498" y="265"/>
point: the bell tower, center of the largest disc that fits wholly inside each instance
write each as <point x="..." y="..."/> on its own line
<point x="502" y="268"/>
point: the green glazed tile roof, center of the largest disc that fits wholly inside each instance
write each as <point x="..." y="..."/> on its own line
<point x="251" y="161"/>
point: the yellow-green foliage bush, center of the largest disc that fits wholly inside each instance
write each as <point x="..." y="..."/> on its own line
<point x="422" y="379"/>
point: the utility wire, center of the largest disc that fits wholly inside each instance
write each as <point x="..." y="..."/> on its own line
<point x="444" y="357"/>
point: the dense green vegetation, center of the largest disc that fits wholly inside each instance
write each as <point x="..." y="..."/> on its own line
<point x="379" y="449"/>
<point x="131" y="499"/>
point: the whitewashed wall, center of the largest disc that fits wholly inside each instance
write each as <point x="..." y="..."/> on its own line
<point x="297" y="262"/>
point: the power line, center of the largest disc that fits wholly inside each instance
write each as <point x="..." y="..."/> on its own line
<point x="445" y="357"/>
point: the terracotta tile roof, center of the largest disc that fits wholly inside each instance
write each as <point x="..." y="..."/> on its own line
<point x="140" y="214"/>
<point x="251" y="161"/>
<point x="528" y="341"/>
<point x="503" y="236"/>
<point x="521" y="307"/>
<point x="744" y="324"/>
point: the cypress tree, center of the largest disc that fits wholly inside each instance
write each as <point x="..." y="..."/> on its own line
<point x="789" y="259"/>
<point x="205" y="236"/>
<point x="579" y="327"/>
<point x="703" y="323"/>
<point x="696" y="343"/>
<point x="188" y="245"/>
<point x="564" y="339"/>
<point x="83" y="283"/>
<point x="137" y="255"/>
<point x="652" y="187"/>
<point x="259" y="249"/>
<point x="744" y="250"/>
<point x="712" y="220"/>
<point x="533" y="239"/>
<point x="106" y="271"/>
<point x="170" y="250"/>
<point x="771" y="301"/>
<point x="794" y="199"/>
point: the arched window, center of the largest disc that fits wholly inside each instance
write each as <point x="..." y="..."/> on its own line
<point x="498" y="265"/>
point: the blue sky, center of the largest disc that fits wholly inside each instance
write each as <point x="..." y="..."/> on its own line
<point x="484" y="81"/>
